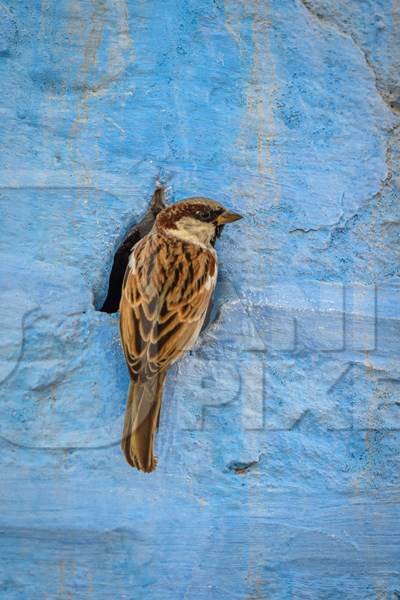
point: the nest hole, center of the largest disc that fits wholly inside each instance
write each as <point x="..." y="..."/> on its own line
<point x="121" y="257"/>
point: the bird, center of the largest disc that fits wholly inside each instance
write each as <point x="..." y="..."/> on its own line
<point x="166" y="292"/>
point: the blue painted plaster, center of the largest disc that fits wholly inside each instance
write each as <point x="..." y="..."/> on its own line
<point x="278" y="448"/>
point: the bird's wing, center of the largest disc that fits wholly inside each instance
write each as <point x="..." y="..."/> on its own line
<point x="166" y="292"/>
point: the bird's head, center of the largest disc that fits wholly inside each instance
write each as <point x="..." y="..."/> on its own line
<point x="196" y="220"/>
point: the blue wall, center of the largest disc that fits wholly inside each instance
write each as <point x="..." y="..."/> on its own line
<point x="279" y="468"/>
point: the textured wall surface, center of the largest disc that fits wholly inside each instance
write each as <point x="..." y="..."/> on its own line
<point x="279" y="446"/>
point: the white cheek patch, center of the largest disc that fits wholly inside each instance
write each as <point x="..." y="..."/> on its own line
<point x="195" y="231"/>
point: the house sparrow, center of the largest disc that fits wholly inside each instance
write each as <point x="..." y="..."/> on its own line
<point x="166" y="292"/>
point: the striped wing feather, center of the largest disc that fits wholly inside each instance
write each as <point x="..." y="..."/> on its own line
<point x="166" y="293"/>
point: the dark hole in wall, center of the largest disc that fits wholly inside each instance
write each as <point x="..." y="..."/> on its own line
<point x="121" y="257"/>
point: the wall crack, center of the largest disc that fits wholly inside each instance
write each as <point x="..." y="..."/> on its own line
<point x="325" y="21"/>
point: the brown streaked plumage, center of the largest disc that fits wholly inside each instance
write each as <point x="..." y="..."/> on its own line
<point x="166" y="292"/>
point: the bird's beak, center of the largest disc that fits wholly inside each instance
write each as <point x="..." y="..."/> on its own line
<point x="228" y="217"/>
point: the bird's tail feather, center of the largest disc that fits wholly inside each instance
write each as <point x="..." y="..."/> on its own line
<point x="142" y="416"/>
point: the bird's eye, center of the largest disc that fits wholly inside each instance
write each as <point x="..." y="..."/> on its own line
<point x="207" y="215"/>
